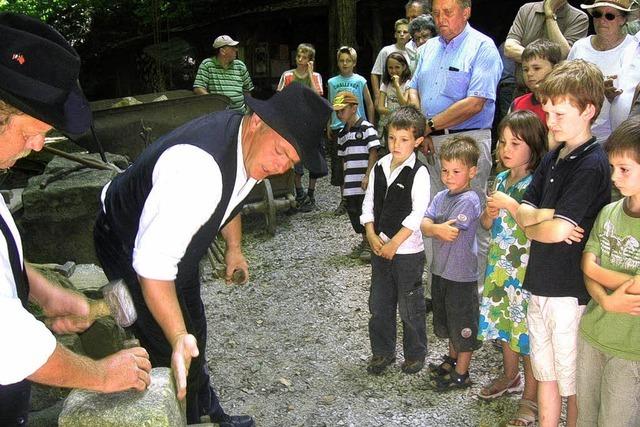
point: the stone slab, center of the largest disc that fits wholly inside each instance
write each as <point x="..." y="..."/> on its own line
<point x="155" y="407"/>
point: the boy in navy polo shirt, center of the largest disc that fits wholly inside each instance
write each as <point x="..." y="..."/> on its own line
<point x="396" y="199"/>
<point x="452" y="220"/>
<point x="558" y="210"/>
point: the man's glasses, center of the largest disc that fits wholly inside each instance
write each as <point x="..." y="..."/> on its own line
<point x="608" y="16"/>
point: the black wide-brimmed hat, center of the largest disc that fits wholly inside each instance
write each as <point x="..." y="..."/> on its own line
<point x="299" y="115"/>
<point x="39" y="74"/>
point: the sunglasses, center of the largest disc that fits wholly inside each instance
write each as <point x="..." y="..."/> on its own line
<point x="608" y="16"/>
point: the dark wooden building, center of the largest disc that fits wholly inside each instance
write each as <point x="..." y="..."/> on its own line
<point x="269" y="32"/>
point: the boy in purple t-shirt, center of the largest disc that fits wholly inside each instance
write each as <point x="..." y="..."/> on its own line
<point x="452" y="219"/>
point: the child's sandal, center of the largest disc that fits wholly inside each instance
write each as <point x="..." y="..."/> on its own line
<point x="526" y="415"/>
<point x="448" y="365"/>
<point x="452" y="381"/>
<point x="500" y="386"/>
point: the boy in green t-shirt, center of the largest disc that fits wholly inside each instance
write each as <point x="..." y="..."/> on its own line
<point x="608" y="378"/>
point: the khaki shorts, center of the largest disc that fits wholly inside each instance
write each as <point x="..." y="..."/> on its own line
<point x="553" y="332"/>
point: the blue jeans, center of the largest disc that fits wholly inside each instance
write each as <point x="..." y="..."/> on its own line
<point x="397" y="284"/>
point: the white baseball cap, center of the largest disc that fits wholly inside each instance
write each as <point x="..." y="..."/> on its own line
<point x="224" y="40"/>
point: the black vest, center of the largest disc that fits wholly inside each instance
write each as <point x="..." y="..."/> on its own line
<point x="216" y="134"/>
<point x="14" y="398"/>
<point x="391" y="206"/>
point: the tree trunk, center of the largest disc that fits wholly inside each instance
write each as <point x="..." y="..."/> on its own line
<point x="342" y="29"/>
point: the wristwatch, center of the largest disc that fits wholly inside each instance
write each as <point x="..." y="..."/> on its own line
<point x="431" y="125"/>
<point x="552" y="16"/>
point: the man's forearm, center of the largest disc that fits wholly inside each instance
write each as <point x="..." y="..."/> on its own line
<point x="232" y="233"/>
<point x="67" y="369"/>
<point x="555" y="35"/>
<point x="513" y="50"/>
<point x="161" y="299"/>
<point x="459" y="112"/>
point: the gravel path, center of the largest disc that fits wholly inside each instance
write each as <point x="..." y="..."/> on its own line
<point x="291" y="347"/>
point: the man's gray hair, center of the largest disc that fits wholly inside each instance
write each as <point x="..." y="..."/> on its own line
<point x="425" y="5"/>
<point x="6" y="111"/>
<point x="421" y="23"/>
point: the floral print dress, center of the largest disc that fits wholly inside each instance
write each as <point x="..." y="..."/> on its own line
<point x="503" y="309"/>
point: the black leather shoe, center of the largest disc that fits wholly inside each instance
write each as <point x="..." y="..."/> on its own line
<point x="234" y="421"/>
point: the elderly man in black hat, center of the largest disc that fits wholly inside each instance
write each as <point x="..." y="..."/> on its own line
<point x="38" y="91"/>
<point x="161" y="214"/>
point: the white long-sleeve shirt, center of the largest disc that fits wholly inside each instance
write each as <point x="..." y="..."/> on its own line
<point x="177" y="206"/>
<point x="420" y="194"/>
<point x="26" y="343"/>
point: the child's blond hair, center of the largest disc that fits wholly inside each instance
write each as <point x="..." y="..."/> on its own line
<point x="349" y="51"/>
<point x="401" y="21"/>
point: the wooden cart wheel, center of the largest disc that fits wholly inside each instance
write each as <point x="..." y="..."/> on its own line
<point x="270" y="208"/>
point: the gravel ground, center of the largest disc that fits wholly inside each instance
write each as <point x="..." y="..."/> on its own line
<point x="291" y="347"/>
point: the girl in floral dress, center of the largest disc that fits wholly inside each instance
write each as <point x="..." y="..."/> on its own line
<point x="503" y="309"/>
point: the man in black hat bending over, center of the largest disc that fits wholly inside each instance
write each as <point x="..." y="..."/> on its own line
<point x="38" y="90"/>
<point x="162" y="213"/>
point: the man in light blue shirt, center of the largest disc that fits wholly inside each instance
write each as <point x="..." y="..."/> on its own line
<point x="455" y="87"/>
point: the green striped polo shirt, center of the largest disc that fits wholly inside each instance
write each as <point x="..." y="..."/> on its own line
<point x="232" y="81"/>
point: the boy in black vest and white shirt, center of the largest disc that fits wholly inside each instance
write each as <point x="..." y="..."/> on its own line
<point x="396" y="199"/>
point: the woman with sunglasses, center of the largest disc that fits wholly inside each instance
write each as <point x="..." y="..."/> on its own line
<point x="604" y="49"/>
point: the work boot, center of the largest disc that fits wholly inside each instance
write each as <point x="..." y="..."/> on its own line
<point x="378" y="364"/>
<point x="225" y="420"/>
<point x="412" y="366"/>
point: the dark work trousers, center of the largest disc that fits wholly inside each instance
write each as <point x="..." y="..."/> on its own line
<point x="14" y="403"/>
<point x="201" y="398"/>
<point x="353" y="206"/>
<point x="337" y="170"/>
<point x="15" y="398"/>
<point x="398" y="283"/>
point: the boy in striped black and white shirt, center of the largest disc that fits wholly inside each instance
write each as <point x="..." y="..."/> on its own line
<point x="358" y="148"/>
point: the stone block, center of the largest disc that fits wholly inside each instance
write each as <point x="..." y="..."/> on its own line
<point x="103" y="338"/>
<point x="155" y="407"/>
<point x="57" y="220"/>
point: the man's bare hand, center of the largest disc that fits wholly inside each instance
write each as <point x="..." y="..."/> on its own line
<point x="67" y="311"/>
<point x="427" y="148"/>
<point x="125" y="370"/>
<point x="550" y="6"/>
<point x="235" y="260"/>
<point x="185" y="348"/>
<point x="610" y="91"/>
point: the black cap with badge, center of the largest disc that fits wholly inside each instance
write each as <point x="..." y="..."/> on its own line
<point x="39" y="74"/>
